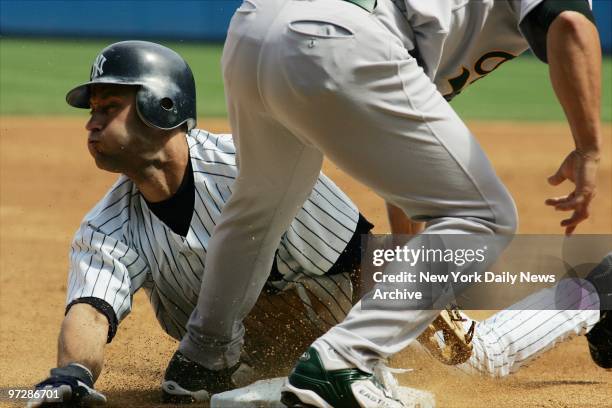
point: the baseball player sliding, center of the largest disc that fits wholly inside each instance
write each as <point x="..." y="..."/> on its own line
<point x="366" y="83"/>
<point x="151" y="231"/>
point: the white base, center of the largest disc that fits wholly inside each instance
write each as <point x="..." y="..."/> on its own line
<point x="266" y="394"/>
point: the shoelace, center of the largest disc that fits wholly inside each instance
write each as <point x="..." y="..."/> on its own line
<point x="385" y="377"/>
<point x="456" y="316"/>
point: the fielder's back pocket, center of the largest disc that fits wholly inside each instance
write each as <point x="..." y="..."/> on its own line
<point x="321" y="29"/>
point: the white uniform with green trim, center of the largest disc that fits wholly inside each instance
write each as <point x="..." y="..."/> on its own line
<point x="459" y="41"/>
<point x="369" y="91"/>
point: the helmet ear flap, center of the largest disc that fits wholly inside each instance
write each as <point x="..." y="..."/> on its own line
<point x="156" y="109"/>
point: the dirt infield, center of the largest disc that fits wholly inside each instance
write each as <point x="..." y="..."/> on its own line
<point x="48" y="182"/>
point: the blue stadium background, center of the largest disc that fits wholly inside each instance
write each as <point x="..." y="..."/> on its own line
<point x="204" y="20"/>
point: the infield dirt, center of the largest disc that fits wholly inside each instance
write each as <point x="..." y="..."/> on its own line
<point x="48" y="182"/>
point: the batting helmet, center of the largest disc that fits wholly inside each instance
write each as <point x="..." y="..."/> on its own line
<point x="166" y="98"/>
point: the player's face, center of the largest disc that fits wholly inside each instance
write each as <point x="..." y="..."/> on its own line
<point x="117" y="136"/>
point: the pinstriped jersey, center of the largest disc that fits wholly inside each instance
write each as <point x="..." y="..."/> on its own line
<point x="461" y="41"/>
<point x="121" y="246"/>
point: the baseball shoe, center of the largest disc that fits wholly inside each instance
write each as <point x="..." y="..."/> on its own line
<point x="324" y="379"/>
<point x="186" y="381"/>
<point x="600" y="336"/>
<point x="600" y="340"/>
<point x="601" y="278"/>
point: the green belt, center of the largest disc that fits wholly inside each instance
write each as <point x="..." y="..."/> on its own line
<point x="368" y="5"/>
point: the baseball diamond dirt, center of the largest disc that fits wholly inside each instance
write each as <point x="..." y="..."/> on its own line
<point x="48" y="182"/>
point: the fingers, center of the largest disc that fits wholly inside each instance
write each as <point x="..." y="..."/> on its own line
<point x="570" y="230"/>
<point x="570" y="202"/>
<point x="577" y="202"/>
<point x="556" y="178"/>
<point x="577" y="217"/>
<point x="554" y="202"/>
<point x="559" y="175"/>
<point x="581" y="170"/>
<point x="570" y="224"/>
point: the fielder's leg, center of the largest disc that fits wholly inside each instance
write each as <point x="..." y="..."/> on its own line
<point x="276" y="174"/>
<point x="349" y="86"/>
<point x="330" y="75"/>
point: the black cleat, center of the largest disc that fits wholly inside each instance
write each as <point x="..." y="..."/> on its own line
<point x="186" y="381"/>
<point x="600" y="340"/>
<point x="601" y="278"/>
<point x="600" y="336"/>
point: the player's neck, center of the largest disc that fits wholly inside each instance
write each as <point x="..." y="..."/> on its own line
<point x="160" y="176"/>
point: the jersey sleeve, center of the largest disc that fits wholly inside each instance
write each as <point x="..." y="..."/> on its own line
<point x="536" y="16"/>
<point x="104" y="272"/>
<point x="319" y="233"/>
<point x="523" y="7"/>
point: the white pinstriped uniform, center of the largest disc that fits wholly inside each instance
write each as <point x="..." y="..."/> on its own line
<point x="513" y="337"/>
<point x="121" y="246"/>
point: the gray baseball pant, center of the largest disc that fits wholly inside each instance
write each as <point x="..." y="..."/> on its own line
<point x="305" y="79"/>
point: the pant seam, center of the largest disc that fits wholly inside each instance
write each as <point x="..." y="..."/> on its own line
<point x="443" y="145"/>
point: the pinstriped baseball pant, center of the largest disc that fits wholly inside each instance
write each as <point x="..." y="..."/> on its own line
<point x="305" y="79"/>
<point x="512" y="338"/>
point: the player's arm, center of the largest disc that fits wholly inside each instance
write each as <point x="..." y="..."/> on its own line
<point x="574" y="57"/>
<point x="80" y="357"/>
<point x="573" y="52"/>
<point x="400" y="223"/>
<point x="90" y="322"/>
<point x="82" y="338"/>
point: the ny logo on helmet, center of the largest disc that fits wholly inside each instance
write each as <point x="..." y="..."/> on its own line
<point x="96" y="68"/>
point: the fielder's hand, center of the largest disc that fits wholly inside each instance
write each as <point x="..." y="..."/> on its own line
<point x="581" y="169"/>
<point x="70" y="386"/>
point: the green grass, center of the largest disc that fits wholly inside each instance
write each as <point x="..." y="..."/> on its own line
<point x="521" y="90"/>
<point x="35" y="75"/>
